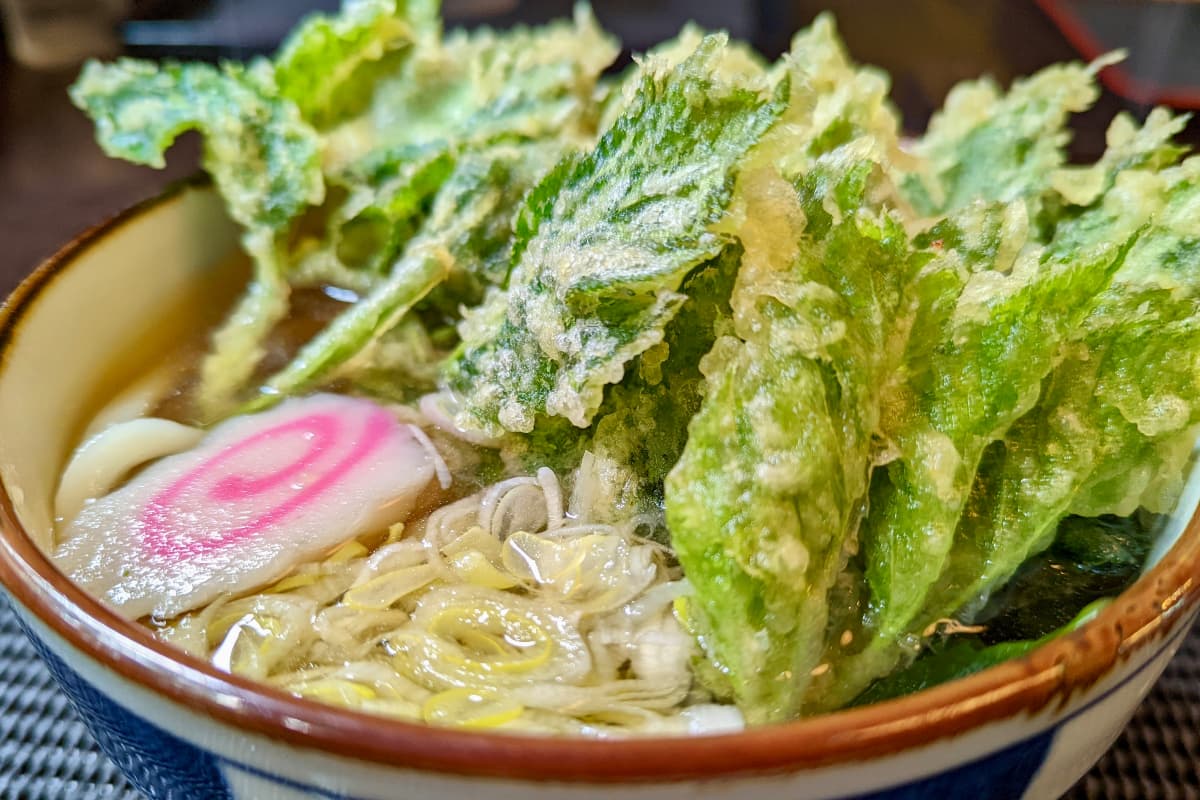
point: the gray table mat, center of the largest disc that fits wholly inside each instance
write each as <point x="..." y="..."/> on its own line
<point x="47" y="754"/>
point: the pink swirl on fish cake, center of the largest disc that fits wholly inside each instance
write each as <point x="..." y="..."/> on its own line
<point x="165" y="532"/>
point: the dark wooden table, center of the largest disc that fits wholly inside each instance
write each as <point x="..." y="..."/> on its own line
<point x="54" y="182"/>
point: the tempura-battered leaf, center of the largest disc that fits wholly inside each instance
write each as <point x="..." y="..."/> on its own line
<point x="979" y="350"/>
<point x="982" y="343"/>
<point x="428" y="105"/>
<point x="1129" y="186"/>
<point x="992" y="146"/>
<point x="639" y="433"/>
<point x="264" y="159"/>
<point x="765" y="503"/>
<point x="832" y="102"/>
<point x="1091" y="561"/>
<point x="739" y="63"/>
<point x="529" y="82"/>
<point x="329" y="64"/>
<point x="1074" y="441"/>
<point x="387" y="197"/>
<point x="602" y="246"/>
<point x="641" y="429"/>
<point x="1148" y="147"/>
<point x="1117" y="419"/>
<point x="465" y="240"/>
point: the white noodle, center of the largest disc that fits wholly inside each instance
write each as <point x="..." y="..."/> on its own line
<point x="136" y="400"/>
<point x="222" y="657"/>
<point x="453" y="519"/>
<point x="431" y="407"/>
<point x="554" y="502"/>
<point x="103" y="460"/>
<point x="584" y="529"/>
<point x="439" y="463"/>
<point x="487" y="507"/>
<point x="620" y="659"/>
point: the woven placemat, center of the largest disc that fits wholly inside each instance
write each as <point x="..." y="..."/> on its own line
<point x="46" y="753"/>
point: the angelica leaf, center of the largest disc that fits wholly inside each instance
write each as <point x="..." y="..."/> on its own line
<point x="602" y="245"/>
<point x="264" y="159"/>
<point x="980" y="347"/>
<point x="329" y="63"/>
<point x="988" y="145"/>
<point x="768" y="494"/>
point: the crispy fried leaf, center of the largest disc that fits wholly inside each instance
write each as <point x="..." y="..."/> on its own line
<point x="1117" y="419"/>
<point x="1147" y="147"/>
<point x="602" y="246"/>
<point x="387" y="198"/>
<point x="427" y="107"/>
<point x="464" y="241"/>
<point x="328" y="66"/>
<point x="992" y="146"/>
<point x="264" y="158"/>
<point x="739" y="63"/>
<point x="473" y="87"/>
<point x="832" y="102"/>
<point x="765" y="502"/>
<point x="981" y="345"/>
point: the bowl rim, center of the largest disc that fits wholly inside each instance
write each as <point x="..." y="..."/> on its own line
<point x="1049" y="675"/>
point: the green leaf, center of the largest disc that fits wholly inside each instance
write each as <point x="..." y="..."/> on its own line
<point x="1079" y="452"/>
<point x="978" y="352"/>
<point x="264" y="158"/>
<point x="832" y="102"/>
<point x="602" y="246"/>
<point x="464" y="240"/>
<point x="387" y="197"/>
<point x="991" y="146"/>
<point x="739" y="64"/>
<point x="1130" y="147"/>
<point x="959" y="657"/>
<point x="329" y="64"/>
<point x="943" y="663"/>
<point x="1139" y="181"/>
<point x="237" y="346"/>
<point x="1050" y="595"/>
<point x="764" y="505"/>
<point x="1116" y="420"/>
<point x="642" y="427"/>
<point x="528" y="82"/>
<point x="1091" y="557"/>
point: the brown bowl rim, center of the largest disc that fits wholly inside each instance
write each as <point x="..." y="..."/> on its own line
<point x="1046" y="677"/>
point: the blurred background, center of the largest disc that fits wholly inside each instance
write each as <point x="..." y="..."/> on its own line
<point x="54" y="181"/>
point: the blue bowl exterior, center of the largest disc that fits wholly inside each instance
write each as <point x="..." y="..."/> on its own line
<point x="161" y="766"/>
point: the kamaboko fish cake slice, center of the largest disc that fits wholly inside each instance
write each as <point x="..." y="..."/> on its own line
<point x="259" y="495"/>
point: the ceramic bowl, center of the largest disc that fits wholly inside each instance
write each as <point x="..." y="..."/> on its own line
<point x="118" y="298"/>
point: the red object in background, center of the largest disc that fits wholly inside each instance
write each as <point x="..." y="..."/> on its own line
<point x="1080" y="20"/>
